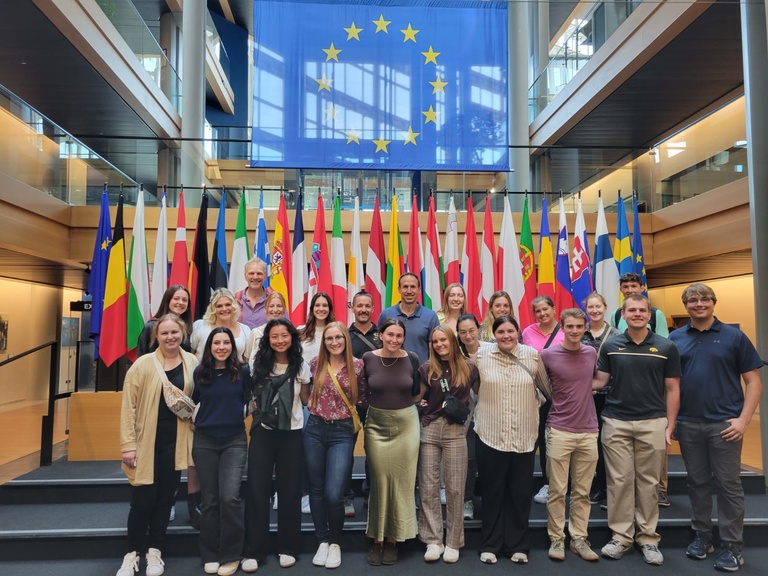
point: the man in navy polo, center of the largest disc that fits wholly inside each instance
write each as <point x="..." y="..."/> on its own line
<point x="638" y="422"/>
<point x="714" y="414"/>
<point x="419" y="321"/>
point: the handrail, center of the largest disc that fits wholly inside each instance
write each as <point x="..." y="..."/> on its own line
<point x="46" y="434"/>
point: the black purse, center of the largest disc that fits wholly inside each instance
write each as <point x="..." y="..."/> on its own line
<point x="454" y="409"/>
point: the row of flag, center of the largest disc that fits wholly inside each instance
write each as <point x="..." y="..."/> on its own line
<point x="125" y="297"/>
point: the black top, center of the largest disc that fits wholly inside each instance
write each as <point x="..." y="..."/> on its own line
<point x="358" y="346"/>
<point x="638" y="372"/>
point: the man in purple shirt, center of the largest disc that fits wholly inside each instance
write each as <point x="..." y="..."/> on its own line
<point x="253" y="298"/>
<point x="571" y="436"/>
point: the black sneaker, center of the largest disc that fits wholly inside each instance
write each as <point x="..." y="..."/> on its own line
<point x="597" y="496"/>
<point x="729" y="559"/>
<point x="700" y="547"/>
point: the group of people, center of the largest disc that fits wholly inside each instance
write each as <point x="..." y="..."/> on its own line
<point x="442" y="399"/>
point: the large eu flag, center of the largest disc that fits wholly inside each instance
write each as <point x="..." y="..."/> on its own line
<point x="396" y="85"/>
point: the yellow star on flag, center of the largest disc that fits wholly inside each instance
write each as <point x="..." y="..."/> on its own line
<point x="381" y="146"/>
<point x="324" y="83"/>
<point x="381" y="24"/>
<point x="430" y="115"/>
<point x="352" y="136"/>
<point x="431" y="56"/>
<point x="411" y="138"/>
<point x="331" y="53"/>
<point x="353" y="32"/>
<point x="330" y="112"/>
<point x="409" y="33"/>
<point x="105" y="244"/>
<point x="438" y="85"/>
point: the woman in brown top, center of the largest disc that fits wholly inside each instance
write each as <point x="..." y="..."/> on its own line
<point x="391" y="443"/>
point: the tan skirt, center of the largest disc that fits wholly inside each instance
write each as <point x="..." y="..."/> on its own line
<point x="392" y="448"/>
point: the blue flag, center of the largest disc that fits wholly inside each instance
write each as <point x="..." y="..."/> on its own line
<point x="98" y="279"/>
<point x="622" y="249"/>
<point x="401" y="85"/>
<point x="218" y="275"/>
<point x="637" y="247"/>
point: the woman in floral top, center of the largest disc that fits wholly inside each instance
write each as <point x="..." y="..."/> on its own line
<point x="328" y="438"/>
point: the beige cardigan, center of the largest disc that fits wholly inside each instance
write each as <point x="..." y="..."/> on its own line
<point x="142" y="390"/>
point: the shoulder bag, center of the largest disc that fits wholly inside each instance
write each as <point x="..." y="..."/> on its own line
<point x="178" y="402"/>
<point x="356" y="424"/>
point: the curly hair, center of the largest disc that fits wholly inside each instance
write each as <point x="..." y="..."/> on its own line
<point x="264" y="361"/>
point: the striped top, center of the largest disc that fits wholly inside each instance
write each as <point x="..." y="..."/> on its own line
<point x="507" y="412"/>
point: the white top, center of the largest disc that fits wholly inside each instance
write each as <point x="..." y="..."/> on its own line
<point x="312" y="348"/>
<point x="507" y="411"/>
<point x="201" y="330"/>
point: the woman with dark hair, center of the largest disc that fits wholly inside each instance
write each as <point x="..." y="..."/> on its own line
<point x="545" y="333"/>
<point x="443" y="444"/>
<point x="311" y="333"/>
<point x="391" y="442"/>
<point x="329" y="438"/>
<point x="506" y="423"/>
<point x="468" y="330"/>
<point x="175" y="301"/>
<point x="155" y="443"/>
<point x="280" y="381"/>
<point x="500" y="304"/>
<point x="219" y="450"/>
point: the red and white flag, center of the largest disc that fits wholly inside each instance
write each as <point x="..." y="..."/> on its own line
<point x="487" y="259"/>
<point x="375" y="264"/>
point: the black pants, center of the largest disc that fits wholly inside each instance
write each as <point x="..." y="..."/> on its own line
<point x="151" y="504"/>
<point x="280" y="450"/>
<point x="542" y="442"/>
<point x="507" y="496"/>
<point x="600" y="481"/>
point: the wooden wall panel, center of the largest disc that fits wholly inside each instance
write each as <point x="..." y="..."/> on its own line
<point x="94" y="426"/>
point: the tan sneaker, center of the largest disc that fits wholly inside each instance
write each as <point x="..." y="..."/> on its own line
<point x="557" y="550"/>
<point x="582" y="547"/>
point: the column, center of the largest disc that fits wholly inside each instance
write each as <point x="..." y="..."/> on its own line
<point x="193" y="97"/>
<point x="518" y="28"/>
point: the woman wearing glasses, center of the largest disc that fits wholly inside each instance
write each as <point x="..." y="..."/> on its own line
<point x="329" y="438"/>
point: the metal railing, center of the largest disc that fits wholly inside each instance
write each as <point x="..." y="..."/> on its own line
<point x="46" y="433"/>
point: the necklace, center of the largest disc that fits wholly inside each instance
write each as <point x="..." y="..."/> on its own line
<point x="391" y="363"/>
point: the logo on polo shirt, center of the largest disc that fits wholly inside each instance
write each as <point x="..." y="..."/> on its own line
<point x="653" y="349"/>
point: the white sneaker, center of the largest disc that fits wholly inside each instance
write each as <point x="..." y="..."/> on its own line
<point x="321" y="555"/>
<point x="286" y="560"/>
<point x="434" y="551"/>
<point x="450" y="555"/>
<point x="211" y="567"/>
<point x="542" y="495"/>
<point x="349" y="508"/>
<point x="488" y="558"/>
<point x="274" y="502"/>
<point x="442" y="496"/>
<point x="469" y="510"/>
<point x="172" y="515"/>
<point x="249" y="565"/>
<point x="305" y="509"/>
<point x="334" y="556"/>
<point x="155" y="564"/>
<point x="130" y="564"/>
<point x="228" y="568"/>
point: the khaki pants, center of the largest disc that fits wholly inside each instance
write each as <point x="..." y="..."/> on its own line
<point x="575" y="453"/>
<point x="634" y="451"/>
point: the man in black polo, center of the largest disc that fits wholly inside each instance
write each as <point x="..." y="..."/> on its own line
<point x="363" y="331"/>
<point x="714" y="415"/>
<point x="365" y="337"/>
<point x="638" y="422"/>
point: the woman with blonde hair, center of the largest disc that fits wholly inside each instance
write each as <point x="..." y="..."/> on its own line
<point x="500" y="304"/>
<point x="329" y="437"/>
<point x="155" y="443"/>
<point x="443" y="444"/>
<point x="223" y="311"/>
<point x="454" y="305"/>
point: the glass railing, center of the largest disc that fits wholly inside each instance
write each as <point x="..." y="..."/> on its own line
<point x="585" y="35"/>
<point x="132" y="28"/>
<point x="212" y="35"/>
<point x="39" y="153"/>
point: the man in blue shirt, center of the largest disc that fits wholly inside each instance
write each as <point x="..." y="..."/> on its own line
<point x="714" y="415"/>
<point x="419" y="321"/>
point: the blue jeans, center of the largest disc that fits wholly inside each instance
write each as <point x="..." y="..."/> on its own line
<point x="328" y="447"/>
<point x="220" y="463"/>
